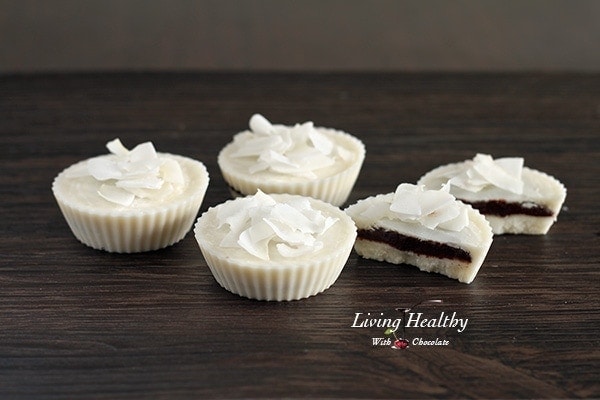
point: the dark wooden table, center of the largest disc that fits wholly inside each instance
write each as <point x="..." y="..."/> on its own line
<point x="79" y="323"/>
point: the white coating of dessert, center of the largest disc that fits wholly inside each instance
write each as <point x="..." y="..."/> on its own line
<point x="427" y="214"/>
<point x="484" y="172"/>
<point x="299" y="153"/>
<point x="259" y="223"/>
<point x="299" y="150"/>
<point x="274" y="229"/>
<point x="75" y="187"/>
<point x="126" y="175"/>
<point x="538" y="187"/>
<point x="482" y="179"/>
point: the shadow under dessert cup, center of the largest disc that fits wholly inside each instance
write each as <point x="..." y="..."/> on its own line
<point x="301" y="159"/>
<point x="131" y="200"/>
<point x="514" y="199"/>
<point x="275" y="247"/>
<point x="429" y="229"/>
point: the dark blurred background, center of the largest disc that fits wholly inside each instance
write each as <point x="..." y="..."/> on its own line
<point x="314" y="35"/>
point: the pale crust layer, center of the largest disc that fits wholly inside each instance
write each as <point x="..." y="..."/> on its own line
<point x="462" y="271"/>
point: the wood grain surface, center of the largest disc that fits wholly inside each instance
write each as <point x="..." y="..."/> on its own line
<point x="81" y="323"/>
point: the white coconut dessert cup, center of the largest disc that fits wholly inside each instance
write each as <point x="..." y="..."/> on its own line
<point x="440" y="235"/>
<point x="144" y="226"/>
<point x="279" y="278"/>
<point x="550" y="194"/>
<point x="464" y="272"/>
<point x="332" y="184"/>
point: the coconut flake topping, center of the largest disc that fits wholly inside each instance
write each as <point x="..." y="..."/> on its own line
<point x="296" y="150"/>
<point x="434" y="209"/>
<point x="483" y="171"/>
<point x="140" y="172"/>
<point x="257" y="221"/>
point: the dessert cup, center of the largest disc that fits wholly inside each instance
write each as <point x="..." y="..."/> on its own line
<point x="305" y="160"/>
<point x="104" y="213"/>
<point x="275" y="247"/>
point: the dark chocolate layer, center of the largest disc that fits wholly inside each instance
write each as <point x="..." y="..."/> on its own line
<point x="504" y="208"/>
<point x="414" y="245"/>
